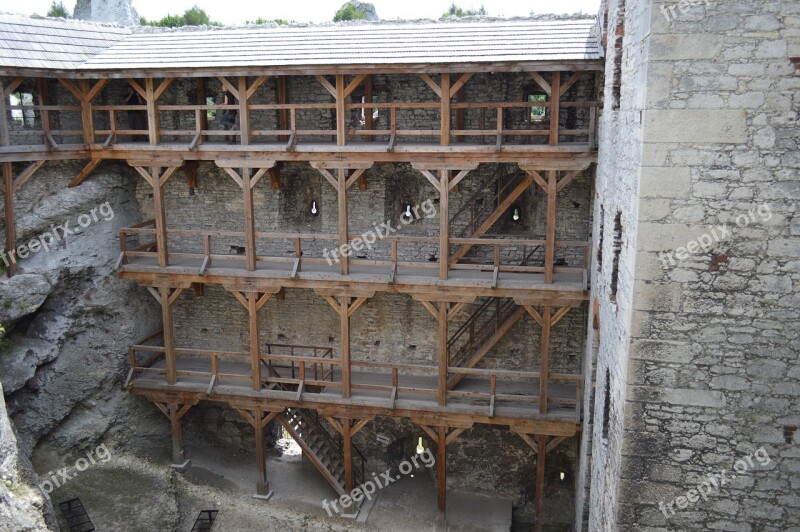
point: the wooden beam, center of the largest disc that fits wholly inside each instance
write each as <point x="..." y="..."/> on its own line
<point x="161" y="218"/>
<point x="94" y="91"/>
<point x="539" y="490"/>
<point x="16" y="82"/>
<point x="344" y="239"/>
<point x="169" y="342"/>
<point x="368" y="125"/>
<point x="255" y="343"/>
<point x="4" y="138"/>
<point x="262" y="484"/>
<point x="544" y="359"/>
<point x="444" y="133"/>
<point x="555" y="442"/>
<point x="85" y="173"/>
<point x="555" y="102"/>
<point x="138" y="88"/>
<point x="570" y="82"/>
<point x="327" y="84"/>
<point x="443" y="354"/>
<point x="27" y="174"/>
<point x="566" y="180"/>
<point x="550" y="234"/>
<point x="353" y="85"/>
<point x="341" y="112"/>
<point x="344" y="302"/>
<point x="356" y="305"/>
<point x="152" y="112"/>
<point x="177" y="436"/>
<point x="441" y="477"/>
<point x="542" y="83"/>
<point x="560" y="314"/>
<point x="11" y="228"/>
<point x="432" y="84"/>
<point x="459" y="84"/>
<point x="244" y="113"/>
<point x="249" y="221"/>
<point x="347" y="444"/>
<point x="360" y="425"/>
<point x="76" y="92"/>
<point x="86" y="112"/>
<point x="44" y="99"/>
<point x="255" y="86"/>
<point x="228" y="85"/>
<point x="444" y="224"/>
<point x="535" y="315"/>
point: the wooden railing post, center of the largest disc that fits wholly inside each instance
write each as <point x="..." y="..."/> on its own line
<point x="550" y="235"/>
<point x="152" y="112"/>
<point x="444" y="224"/>
<point x="544" y="359"/>
<point x="555" y="99"/>
<point x="341" y="116"/>
<point x="244" y="113"/>
<point x="445" y="110"/>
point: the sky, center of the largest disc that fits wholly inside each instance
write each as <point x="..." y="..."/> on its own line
<point x="239" y="11"/>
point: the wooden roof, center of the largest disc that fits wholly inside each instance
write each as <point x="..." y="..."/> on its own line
<point x="36" y="43"/>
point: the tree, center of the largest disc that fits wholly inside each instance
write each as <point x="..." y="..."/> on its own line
<point x="457" y="12"/>
<point x="194" y="16"/>
<point x="57" y="9"/>
<point x="349" y="12"/>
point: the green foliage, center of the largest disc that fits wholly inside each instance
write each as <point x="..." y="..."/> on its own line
<point x="262" y="20"/>
<point x="193" y="16"/>
<point x="5" y="343"/>
<point x="57" y="9"/>
<point x="457" y="12"/>
<point x="349" y="12"/>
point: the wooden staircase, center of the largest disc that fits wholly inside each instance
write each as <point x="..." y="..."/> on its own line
<point x="323" y="449"/>
<point x="480" y="333"/>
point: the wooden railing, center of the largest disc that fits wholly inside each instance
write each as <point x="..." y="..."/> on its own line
<point x="507" y="254"/>
<point x="318" y="371"/>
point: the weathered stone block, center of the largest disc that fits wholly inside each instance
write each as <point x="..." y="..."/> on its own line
<point x="695" y="126"/>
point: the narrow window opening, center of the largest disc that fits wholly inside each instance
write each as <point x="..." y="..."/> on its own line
<point x="22" y="117"/>
<point x="607" y="404"/>
<point x="538" y="114"/>
<point x="619" y="36"/>
<point x="600" y="242"/>
<point x="617" y="251"/>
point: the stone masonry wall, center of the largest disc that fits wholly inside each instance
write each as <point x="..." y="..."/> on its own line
<point x="710" y="377"/>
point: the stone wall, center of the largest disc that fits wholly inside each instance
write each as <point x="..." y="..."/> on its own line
<point x="701" y="347"/>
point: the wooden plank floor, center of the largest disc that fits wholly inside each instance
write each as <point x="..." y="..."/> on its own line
<point x="421" y="401"/>
<point x="570" y="282"/>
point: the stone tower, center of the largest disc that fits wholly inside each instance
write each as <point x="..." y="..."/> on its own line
<point x="111" y="11"/>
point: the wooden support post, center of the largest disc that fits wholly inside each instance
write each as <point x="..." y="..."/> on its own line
<point x="347" y="440"/>
<point x="344" y="239"/>
<point x="161" y="218"/>
<point x="341" y="115"/>
<point x="201" y="100"/>
<point x="544" y="358"/>
<point x="262" y="484"/>
<point x="550" y="235"/>
<point x="443" y="358"/>
<point x="344" y="312"/>
<point x="249" y="221"/>
<point x="368" y="110"/>
<point x="555" y="100"/>
<point x="444" y="224"/>
<point x="441" y="478"/>
<point x="86" y="112"/>
<point x="445" y="126"/>
<point x="4" y="138"/>
<point x="244" y="113"/>
<point x="152" y="111"/>
<point x="539" y="493"/>
<point x="178" y="457"/>
<point x="41" y="89"/>
<point x="255" y="347"/>
<point x="283" y="114"/>
<point x="169" y="340"/>
<point x="9" y="260"/>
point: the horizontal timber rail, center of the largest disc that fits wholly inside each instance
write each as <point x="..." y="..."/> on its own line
<point x="314" y="379"/>
<point x="314" y="256"/>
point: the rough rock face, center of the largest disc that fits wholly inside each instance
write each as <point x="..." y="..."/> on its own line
<point x="20" y="505"/>
<point x="114" y="11"/>
<point x="21" y="295"/>
<point x="64" y="368"/>
<point x="364" y="7"/>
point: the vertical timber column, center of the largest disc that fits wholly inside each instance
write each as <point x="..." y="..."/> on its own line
<point x="86" y="112"/>
<point x="43" y="97"/>
<point x="347" y="438"/>
<point x="445" y="130"/>
<point x="169" y="338"/>
<point x="152" y="111"/>
<point x="4" y="140"/>
<point x="341" y="117"/>
<point x="544" y="359"/>
<point x="341" y="189"/>
<point x="344" y="307"/>
<point x="178" y="457"/>
<point x="443" y="358"/>
<point x="11" y="228"/>
<point x="244" y="114"/>
<point x="555" y="106"/>
<point x="249" y="221"/>
<point x="161" y="218"/>
<point x="539" y="495"/>
<point x="255" y="347"/>
<point x="368" y="110"/>
<point x="444" y="223"/>
<point x="283" y="114"/>
<point x="262" y="484"/>
<point x="550" y="236"/>
<point x="441" y="478"/>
